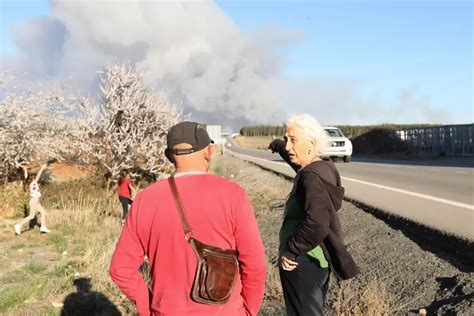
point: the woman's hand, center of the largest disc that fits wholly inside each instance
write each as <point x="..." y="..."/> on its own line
<point x="273" y="146"/>
<point x="288" y="264"/>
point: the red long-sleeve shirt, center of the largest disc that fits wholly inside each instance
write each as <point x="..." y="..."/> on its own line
<point x="220" y="214"/>
<point x="124" y="188"/>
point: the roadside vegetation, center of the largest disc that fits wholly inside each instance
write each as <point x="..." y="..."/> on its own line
<point x="378" y="141"/>
<point x="39" y="274"/>
<point x="41" y="270"/>
<point x="263" y="130"/>
<point x="350" y="131"/>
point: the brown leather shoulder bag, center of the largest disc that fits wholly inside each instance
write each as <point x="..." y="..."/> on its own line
<point x="217" y="268"/>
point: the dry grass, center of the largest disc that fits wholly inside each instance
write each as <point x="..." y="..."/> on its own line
<point x="254" y="142"/>
<point x="13" y="200"/>
<point x="92" y="227"/>
<point x="368" y="294"/>
<point x="268" y="194"/>
<point x="87" y="226"/>
<point x="371" y="299"/>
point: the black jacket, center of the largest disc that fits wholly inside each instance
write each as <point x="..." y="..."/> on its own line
<point x="319" y="192"/>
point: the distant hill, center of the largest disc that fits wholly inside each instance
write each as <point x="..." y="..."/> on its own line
<point x="353" y="131"/>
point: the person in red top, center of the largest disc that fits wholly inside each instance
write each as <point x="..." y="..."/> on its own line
<point x="125" y="187"/>
<point x="220" y="214"/>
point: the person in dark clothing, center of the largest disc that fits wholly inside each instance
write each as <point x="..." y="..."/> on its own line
<point x="311" y="244"/>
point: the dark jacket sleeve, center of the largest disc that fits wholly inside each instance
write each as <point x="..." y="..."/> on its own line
<point x="317" y="207"/>
<point x="278" y="145"/>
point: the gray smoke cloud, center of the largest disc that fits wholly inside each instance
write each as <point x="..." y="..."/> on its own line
<point x="191" y="51"/>
<point x="196" y="55"/>
<point x="336" y="101"/>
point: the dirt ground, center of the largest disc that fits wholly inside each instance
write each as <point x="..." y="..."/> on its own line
<point x="254" y="142"/>
<point x="421" y="267"/>
<point x="66" y="172"/>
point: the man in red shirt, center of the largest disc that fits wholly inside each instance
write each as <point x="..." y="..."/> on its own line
<point x="220" y="214"/>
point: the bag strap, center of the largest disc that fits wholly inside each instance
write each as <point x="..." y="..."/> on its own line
<point x="188" y="232"/>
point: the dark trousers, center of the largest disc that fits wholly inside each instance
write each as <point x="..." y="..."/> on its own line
<point x="305" y="287"/>
<point x="126" y="202"/>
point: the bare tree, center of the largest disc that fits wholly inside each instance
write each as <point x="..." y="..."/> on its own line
<point x="127" y="130"/>
<point x="36" y="125"/>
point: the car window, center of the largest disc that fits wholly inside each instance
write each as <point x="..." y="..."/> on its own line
<point x="332" y="132"/>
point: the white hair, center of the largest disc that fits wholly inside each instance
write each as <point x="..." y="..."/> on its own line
<point x="312" y="129"/>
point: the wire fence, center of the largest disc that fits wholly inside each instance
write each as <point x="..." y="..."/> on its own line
<point x="450" y="140"/>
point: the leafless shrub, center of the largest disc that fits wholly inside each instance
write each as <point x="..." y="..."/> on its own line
<point x="36" y="125"/>
<point x="370" y="298"/>
<point x="127" y="130"/>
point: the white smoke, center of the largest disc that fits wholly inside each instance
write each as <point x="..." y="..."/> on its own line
<point x="192" y="51"/>
<point x="335" y="101"/>
<point x="198" y="57"/>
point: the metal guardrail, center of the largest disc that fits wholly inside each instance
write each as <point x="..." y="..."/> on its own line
<point x="451" y="140"/>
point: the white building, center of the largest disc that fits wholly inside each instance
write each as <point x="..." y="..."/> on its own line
<point x="214" y="132"/>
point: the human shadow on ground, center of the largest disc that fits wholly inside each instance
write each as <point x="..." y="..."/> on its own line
<point x="452" y="292"/>
<point x="455" y="162"/>
<point x="454" y="296"/>
<point x="87" y="302"/>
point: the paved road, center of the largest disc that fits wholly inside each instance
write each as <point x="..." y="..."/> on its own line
<point x="437" y="193"/>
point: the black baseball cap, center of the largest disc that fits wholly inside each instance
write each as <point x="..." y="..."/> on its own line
<point x="191" y="133"/>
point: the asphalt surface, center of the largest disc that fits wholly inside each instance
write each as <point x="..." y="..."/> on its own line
<point x="437" y="193"/>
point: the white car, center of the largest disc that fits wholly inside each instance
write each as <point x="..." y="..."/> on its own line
<point x="338" y="144"/>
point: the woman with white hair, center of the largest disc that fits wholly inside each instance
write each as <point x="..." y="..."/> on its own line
<point x="311" y="245"/>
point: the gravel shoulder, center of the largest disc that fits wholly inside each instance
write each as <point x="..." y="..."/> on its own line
<point x="405" y="267"/>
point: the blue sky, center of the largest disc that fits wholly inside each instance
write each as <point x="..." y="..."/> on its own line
<point x="15" y="12"/>
<point x="383" y="46"/>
